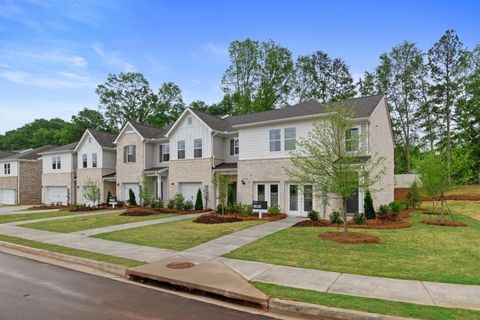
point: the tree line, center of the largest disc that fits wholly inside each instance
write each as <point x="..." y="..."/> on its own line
<point x="433" y="97"/>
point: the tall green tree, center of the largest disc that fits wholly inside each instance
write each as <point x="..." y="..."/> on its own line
<point x="427" y="121"/>
<point x="259" y="76"/>
<point x="126" y="96"/>
<point x="168" y="107"/>
<point x="399" y="75"/>
<point x="367" y="85"/>
<point x="447" y="60"/>
<point x="85" y="119"/>
<point x="322" y="78"/>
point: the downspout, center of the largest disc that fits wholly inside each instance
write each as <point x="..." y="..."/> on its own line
<point x="214" y="192"/>
<point x="18" y="182"/>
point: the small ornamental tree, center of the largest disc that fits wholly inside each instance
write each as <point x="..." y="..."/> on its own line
<point x="221" y="183"/>
<point x="131" y="198"/>
<point x="92" y="191"/>
<point x="199" y="200"/>
<point x="413" y="196"/>
<point x="146" y="195"/>
<point x="332" y="159"/>
<point x="368" y="207"/>
<point x="109" y="195"/>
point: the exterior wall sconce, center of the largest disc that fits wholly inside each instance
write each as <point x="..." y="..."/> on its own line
<point x="243" y="182"/>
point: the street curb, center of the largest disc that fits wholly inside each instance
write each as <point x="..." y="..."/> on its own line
<point x="323" y="312"/>
<point x="16" y="249"/>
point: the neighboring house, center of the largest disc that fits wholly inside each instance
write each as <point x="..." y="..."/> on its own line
<point x="58" y="175"/>
<point x="96" y="160"/>
<point x="142" y="156"/>
<point x="21" y="177"/>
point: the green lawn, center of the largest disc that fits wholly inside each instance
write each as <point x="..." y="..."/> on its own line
<point x="467" y="208"/>
<point x="422" y="252"/>
<point x="91" y="222"/>
<point x="73" y="252"/>
<point x="394" y="308"/>
<point x="179" y="235"/>
<point x="32" y="216"/>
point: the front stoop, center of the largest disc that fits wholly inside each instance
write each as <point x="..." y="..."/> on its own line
<point x="205" y="275"/>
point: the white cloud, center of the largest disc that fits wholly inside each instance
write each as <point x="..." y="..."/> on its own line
<point x="57" y="80"/>
<point x="113" y="59"/>
<point x="215" y="49"/>
<point x="57" y="57"/>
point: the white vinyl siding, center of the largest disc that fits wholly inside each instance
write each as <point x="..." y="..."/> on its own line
<point x="188" y="133"/>
<point x="67" y="163"/>
<point x="105" y="159"/>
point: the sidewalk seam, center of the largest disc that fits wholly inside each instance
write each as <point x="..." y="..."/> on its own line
<point x="428" y="293"/>
<point x="334" y="281"/>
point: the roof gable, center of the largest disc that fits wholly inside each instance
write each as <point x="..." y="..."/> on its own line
<point x="183" y="115"/>
<point x="143" y="130"/>
<point x="103" y="139"/>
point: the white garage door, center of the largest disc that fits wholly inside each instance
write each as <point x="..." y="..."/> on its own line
<point x="135" y="188"/>
<point x="56" y="195"/>
<point x="189" y="190"/>
<point x="7" y="196"/>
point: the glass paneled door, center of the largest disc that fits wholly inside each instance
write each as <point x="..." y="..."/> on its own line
<point x="300" y="199"/>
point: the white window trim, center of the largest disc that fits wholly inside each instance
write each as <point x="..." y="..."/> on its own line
<point x="163" y="153"/>
<point x="270" y="140"/>
<point x="360" y="142"/>
<point x="267" y="192"/>
<point x="196" y="148"/>
<point x="131" y="152"/>
<point x="96" y="160"/>
<point x="56" y="163"/>
<point x="84" y="160"/>
<point x="7" y="169"/>
<point x="290" y="139"/>
<point x="183" y="149"/>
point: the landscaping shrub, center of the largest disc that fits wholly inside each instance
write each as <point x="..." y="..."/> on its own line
<point x="395" y="206"/>
<point x="220" y="208"/>
<point x="109" y="195"/>
<point x="131" y="198"/>
<point x="383" y="210"/>
<point x="246" y="209"/>
<point x="413" y="196"/>
<point x="368" y="207"/>
<point x="273" y="210"/>
<point x="359" y="218"/>
<point x="157" y="204"/>
<point x="188" y="205"/>
<point x="335" y="218"/>
<point x="179" y="201"/>
<point x="199" y="200"/>
<point x="313" y="215"/>
<point x="171" y="204"/>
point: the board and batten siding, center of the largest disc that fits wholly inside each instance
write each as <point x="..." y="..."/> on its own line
<point x="89" y="147"/>
<point x="189" y="132"/>
<point x="13" y="169"/>
<point x="66" y="163"/>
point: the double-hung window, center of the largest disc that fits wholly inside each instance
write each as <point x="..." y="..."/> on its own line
<point x="129" y="153"/>
<point x="181" y="149"/>
<point x="84" y="161"/>
<point x="164" y="152"/>
<point x="290" y="138"/>
<point x="197" y="148"/>
<point x="56" y="163"/>
<point x="6" y="168"/>
<point x="94" y="160"/>
<point x="352" y="140"/>
<point x="275" y="140"/>
<point x="234" y="146"/>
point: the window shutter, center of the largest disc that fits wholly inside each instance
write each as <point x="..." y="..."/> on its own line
<point x="125" y="150"/>
<point x="161" y="154"/>
<point x="232" y="147"/>
<point x="134" y="153"/>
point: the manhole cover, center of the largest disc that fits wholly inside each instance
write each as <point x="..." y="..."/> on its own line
<point x="180" y="265"/>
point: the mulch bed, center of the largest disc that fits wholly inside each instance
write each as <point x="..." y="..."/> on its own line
<point x="140" y="213"/>
<point x="445" y="223"/>
<point x="353" y="237"/>
<point x="318" y="223"/>
<point x="213" y="218"/>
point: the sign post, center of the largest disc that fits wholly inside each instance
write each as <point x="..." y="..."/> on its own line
<point x="259" y="206"/>
<point x="112" y="201"/>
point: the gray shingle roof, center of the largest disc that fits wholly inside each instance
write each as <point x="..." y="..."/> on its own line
<point x="4" y="153"/>
<point x="105" y="139"/>
<point x="30" y="154"/>
<point x="362" y="107"/>
<point x="150" y="132"/>
<point x="65" y="147"/>
<point x="224" y="165"/>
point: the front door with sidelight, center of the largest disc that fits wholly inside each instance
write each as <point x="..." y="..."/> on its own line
<point x="267" y="191"/>
<point x="300" y="199"/>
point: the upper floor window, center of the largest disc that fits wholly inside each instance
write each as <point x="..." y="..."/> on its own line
<point x="352" y="142"/>
<point x="164" y="152"/>
<point x="56" y="163"/>
<point x="6" y="168"/>
<point x="234" y="146"/>
<point x="84" y="161"/>
<point x="129" y="153"/>
<point x="189" y="120"/>
<point x="290" y="138"/>
<point x="181" y="149"/>
<point x="94" y="160"/>
<point x="197" y="148"/>
<point x="275" y="140"/>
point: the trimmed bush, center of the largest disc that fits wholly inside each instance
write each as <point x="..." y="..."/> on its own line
<point x="171" y="204"/>
<point x="368" y="207"/>
<point x="313" y="215"/>
<point x="395" y="206"/>
<point x="156" y="204"/>
<point x="179" y="201"/>
<point x="131" y="198"/>
<point x="335" y="218"/>
<point x="199" y="200"/>
<point x="359" y="218"/>
<point x="273" y="210"/>
<point x="188" y="205"/>
<point x="247" y="209"/>
<point x="413" y="196"/>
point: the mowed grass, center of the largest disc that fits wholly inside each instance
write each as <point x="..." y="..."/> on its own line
<point x="91" y="222"/>
<point x="179" y="235"/>
<point x="73" y="252"/>
<point x="33" y="216"/>
<point x="422" y="252"/>
<point x="401" y="309"/>
<point x="467" y="208"/>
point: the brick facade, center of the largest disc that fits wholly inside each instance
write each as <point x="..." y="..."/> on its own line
<point x="30" y="182"/>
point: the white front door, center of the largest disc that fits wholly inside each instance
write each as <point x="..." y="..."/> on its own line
<point x="267" y="191"/>
<point x="7" y="196"/>
<point x="300" y="200"/>
<point x="189" y="190"/>
<point x="136" y="191"/>
<point x="56" y="195"/>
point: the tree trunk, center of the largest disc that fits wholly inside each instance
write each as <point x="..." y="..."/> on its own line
<point x="344" y="212"/>
<point x="442" y="199"/>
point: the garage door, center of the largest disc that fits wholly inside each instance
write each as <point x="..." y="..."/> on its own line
<point x="56" y="195"/>
<point x="7" y="196"/>
<point x="189" y="190"/>
<point x="135" y="188"/>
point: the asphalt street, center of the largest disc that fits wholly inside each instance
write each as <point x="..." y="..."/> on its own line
<point x="35" y="290"/>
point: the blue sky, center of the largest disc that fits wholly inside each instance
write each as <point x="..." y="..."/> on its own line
<point x="54" y="53"/>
